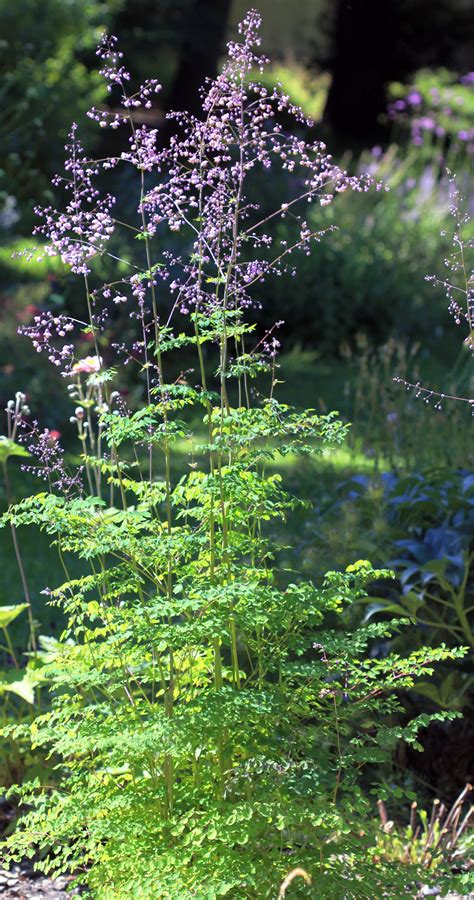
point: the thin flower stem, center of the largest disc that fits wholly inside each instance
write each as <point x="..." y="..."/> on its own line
<point x="10" y="648"/>
<point x="19" y="560"/>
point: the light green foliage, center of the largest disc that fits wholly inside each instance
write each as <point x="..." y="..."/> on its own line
<point x="17" y="699"/>
<point x="10" y="448"/>
<point x="15" y="264"/>
<point x="208" y="727"/>
<point x="9" y="613"/>
<point x="210" y="712"/>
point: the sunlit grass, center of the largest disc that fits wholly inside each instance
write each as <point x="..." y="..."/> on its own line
<point x="24" y="268"/>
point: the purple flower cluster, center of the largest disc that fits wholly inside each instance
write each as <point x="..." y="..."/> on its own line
<point x="44" y="445"/>
<point x="80" y="232"/>
<point x="459" y="285"/>
<point x="204" y="169"/>
<point x="196" y="189"/>
<point x="45" y="332"/>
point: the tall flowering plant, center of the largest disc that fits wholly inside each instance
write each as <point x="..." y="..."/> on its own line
<point x="202" y="710"/>
<point x="458" y="288"/>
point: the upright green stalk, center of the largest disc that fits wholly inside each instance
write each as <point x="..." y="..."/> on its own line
<point x="19" y="560"/>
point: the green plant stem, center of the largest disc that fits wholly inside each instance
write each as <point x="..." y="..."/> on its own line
<point x="222" y="735"/>
<point x="10" y="648"/>
<point x="19" y="561"/>
<point x="169" y="695"/>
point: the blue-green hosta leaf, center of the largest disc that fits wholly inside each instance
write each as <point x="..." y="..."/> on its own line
<point x="10" y="448"/>
<point x="449" y="694"/>
<point x="9" y="613"/>
<point x="383" y="606"/>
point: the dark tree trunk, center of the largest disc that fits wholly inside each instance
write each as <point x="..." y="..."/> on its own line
<point x="378" y="41"/>
<point x="362" y="63"/>
<point x="203" y="36"/>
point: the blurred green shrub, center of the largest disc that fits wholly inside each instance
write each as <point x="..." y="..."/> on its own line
<point x="305" y="88"/>
<point x="44" y="85"/>
<point x="367" y="276"/>
<point x="437" y="110"/>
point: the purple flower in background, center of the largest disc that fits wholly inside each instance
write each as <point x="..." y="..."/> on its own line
<point x="426" y="123"/>
<point x="445" y="107"/>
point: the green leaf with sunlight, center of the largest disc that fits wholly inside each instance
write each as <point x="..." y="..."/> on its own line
<point x="9" y="613"/>
<point x="10" y="448"/>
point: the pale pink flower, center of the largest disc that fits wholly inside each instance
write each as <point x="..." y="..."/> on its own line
<point x="88" y="365"/>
